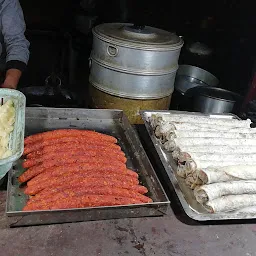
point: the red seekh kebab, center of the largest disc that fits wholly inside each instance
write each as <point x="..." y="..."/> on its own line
<point x="71" y="168"/>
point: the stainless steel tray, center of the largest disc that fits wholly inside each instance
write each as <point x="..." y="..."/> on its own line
<point x="112" y="122"/>
<point x="192" y="208"/>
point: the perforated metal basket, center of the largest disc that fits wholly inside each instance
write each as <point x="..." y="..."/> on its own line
<point x="16" y="140"/>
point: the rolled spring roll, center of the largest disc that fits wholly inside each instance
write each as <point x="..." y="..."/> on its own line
<point x="218" y="174"/>
<point x="210" y="192"/>
<point x="208" y="127"/>
<point x="176" y="153"/>
<point x="204" y="141"/>
<point x="169" y="131"/>
<point x="170" y="145"/>
<point x="215" y="149"/>
<point x="186" y="168"/>
<point x="200" y="127"/>
<point x="228" y="173"/>
<point x="247" y="210"/>
<point x="229" y="157"/>
<point x="212" y="134"/>
<point x="197" y="119"/>
<point x="230" y="203"/>
<point x="164" y="132"/>
<point x="214" y="175"/>
<point x="192" y="165"/>
<point x="157" y="120"/>
<point x="181" y="171"/>
<point x="193" y="181"/>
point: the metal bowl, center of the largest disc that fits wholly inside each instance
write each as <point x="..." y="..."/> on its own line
<point x="190" y="76"/>
<point x="208" y="99"/>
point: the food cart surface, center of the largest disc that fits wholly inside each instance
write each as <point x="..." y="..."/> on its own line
<point x="141" y="236"/>
<point x="173" y="234"/>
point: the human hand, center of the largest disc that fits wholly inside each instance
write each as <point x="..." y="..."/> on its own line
<point x="8" y="86"/>
<point x="11" y="79"/>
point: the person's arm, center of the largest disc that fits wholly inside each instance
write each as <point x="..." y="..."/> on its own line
<point x="17" y="46"/>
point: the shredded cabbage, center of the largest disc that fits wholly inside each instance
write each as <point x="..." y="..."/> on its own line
<point x="7" y="119"/>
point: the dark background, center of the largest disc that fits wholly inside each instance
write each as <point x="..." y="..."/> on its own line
<point x="60" y="32"/>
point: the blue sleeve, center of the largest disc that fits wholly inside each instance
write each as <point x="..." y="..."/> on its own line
<point x="13" y="28"/>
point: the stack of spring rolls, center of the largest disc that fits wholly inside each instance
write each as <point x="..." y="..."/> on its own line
<point x="216" y="157"/>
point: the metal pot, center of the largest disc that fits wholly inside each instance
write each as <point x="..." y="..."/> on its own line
<point x="214" y="100"/>
<point x="136" y="49"/>
<point x="50" y="95"/>
<point x="190" y="76"/>
<point x="134" y="61"/>
<point x="133" y="67"/>
<point x="130" y="86"/>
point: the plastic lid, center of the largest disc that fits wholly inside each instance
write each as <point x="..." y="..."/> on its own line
<point x="137" y="36"/>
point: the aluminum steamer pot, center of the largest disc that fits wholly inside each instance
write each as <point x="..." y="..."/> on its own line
<point x="136" y="62"/>
<point x="131" y="86"/>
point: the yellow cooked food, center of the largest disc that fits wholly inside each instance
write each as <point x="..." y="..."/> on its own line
<point x="7" y="119"/>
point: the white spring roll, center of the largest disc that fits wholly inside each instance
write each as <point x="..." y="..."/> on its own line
<point x="215" y="149"/>
<point x="211" y="134"/>
<point x="179" y="124"/>
<point x="211" y="141"/>
<point x="206" y="164"/>
<point x="182" y="143"/>
<point x="228" y="173"/>
<point x="197" y="119"/>
<point x="193" y="181"/>
<point x="190" y="182"/>
<point x="181" y="171"/>
<point x="170" y="145"/>
<point x="210" y="192"/>
<point x="230" y="203"/>
<point x="186" y="169"/>
<point x="208" y="176"/>
<point x="171" y="126"/>
<point x="214" y="175"/>
<point x="168" y="131"/>
<point x="154" y="120"/>
<point x="191" y="165"/>
<point x="247" y="210"/>
<point x="230" y="157"/>
<point x="164" y="132"/>
<point x="176" y="153"/>
<point x="196" y="127"/>
<point x="207" y="127"/>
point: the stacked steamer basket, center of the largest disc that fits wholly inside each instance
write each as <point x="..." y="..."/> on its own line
<point x="133" y="68"/>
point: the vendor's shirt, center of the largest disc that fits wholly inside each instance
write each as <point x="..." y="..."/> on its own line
<point x="14" y="47"/>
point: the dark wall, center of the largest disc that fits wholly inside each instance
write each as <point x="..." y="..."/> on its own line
<point x="48" y="14"/>
<point x="226" y="26"/>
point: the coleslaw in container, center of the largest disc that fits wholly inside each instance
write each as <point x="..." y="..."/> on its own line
<point x="16" y="137"/>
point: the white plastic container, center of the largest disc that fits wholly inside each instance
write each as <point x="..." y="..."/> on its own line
<point x="16" y="140"/>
